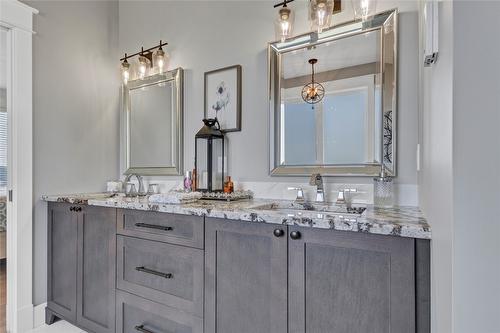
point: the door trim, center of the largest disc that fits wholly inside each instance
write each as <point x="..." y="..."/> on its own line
<point x="18" y="19"/>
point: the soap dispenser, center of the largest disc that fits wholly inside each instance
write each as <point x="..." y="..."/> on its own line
<point x="383" y="190"/>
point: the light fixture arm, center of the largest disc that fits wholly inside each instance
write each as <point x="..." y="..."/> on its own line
<point x="147" y="51"/>
<point x="284" y="3"/>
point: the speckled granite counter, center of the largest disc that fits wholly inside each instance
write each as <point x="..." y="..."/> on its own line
<point x="398" y="221"/>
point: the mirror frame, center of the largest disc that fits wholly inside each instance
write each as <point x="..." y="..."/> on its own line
<point x="175" y="76"/>
<point x="344" y="30"/>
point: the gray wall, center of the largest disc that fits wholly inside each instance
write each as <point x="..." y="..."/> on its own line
<point x="75" y="106"/>
<point x="206" y="35"/>
<point x="476" y="161"/>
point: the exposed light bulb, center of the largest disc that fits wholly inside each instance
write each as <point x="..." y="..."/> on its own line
<point x="320" y="14"/>
<point x="161" y="59"/>
<point x="143" y="66"/>
<point x="125" y="71"/>
<point x="363" y="8"/>
<point x="284" y="23"/>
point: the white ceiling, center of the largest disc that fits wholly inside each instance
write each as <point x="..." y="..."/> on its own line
<point x="3" y="58"/>
<point x="346" y="52"/>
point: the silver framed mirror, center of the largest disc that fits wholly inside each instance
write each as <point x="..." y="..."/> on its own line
<point x="333" y="100"/>
<point x="153" y="109"/>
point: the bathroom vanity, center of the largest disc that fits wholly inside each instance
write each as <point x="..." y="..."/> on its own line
<point x="124" y="265"/>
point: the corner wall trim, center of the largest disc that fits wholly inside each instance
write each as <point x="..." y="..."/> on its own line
<point x="39" y="315"/>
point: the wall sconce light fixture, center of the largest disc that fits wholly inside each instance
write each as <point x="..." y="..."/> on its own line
<point x="320" y="16"/>
<point x="145" y="61"/>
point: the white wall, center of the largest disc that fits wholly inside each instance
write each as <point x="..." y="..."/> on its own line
<point x="205" y="35"/>
<point x="75" y="106"/>
<point x="436" y="176"/>
<point x="460" y="183"/>
<point x="476" y="164"/>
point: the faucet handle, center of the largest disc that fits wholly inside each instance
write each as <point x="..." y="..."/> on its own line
<point x="300" y="193"/>
<point x="341" y="197"/>
<point x="316" y="179"/>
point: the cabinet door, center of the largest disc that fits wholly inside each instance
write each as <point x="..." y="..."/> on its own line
<point x="343" y="282"/>
<point x="62" y="260"/>
<point x="245" y="277"/>
<point x="96" y="269"/>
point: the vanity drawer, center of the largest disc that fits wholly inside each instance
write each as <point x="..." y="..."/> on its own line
<point x="164" y="227"/>
<point x="136" y="315"/>
<point x="164" y="273"/>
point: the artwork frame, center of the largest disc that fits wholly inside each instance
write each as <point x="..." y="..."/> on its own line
<point x="224" y="100"/>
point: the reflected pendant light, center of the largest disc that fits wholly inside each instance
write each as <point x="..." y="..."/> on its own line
<point x="284" y="23"/>
<point x="313" y="92"/>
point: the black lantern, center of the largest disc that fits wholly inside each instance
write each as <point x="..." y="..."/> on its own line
<point x="209" y="161"/>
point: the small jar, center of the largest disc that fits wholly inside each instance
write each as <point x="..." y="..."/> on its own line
<point x="383" y="192"/>
<point x="228" y="185"/>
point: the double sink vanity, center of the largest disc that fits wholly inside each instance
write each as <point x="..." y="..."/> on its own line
<point x="124" y="265"/>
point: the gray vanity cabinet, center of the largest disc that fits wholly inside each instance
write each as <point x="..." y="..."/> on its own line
<point x="62" y="263"/>
<point x="81" y="276"/>
<point x="245" y="277"/>
<point x="343" y="282"/>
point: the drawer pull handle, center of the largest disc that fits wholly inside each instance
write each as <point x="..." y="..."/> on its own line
<point x="142" y="329"/>
<point x="153" y="226"/>
<point x="150" y="271"/>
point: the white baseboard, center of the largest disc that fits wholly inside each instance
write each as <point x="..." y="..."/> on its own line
<point x="39" y="315"/>
<point x="24" y="319"/>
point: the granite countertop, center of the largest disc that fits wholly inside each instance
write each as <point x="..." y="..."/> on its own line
<point x="398" y="221"/>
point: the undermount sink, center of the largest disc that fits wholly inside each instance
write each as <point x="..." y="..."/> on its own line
<point x="306" y="208"/>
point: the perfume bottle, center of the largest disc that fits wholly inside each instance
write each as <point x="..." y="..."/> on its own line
<point x="193" y="180"/>
<point x="228" y="185"/>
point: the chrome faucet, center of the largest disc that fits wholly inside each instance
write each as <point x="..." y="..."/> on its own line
<point x="317" y="180"/>
<point x="300" y="193"/>
<point x="141" y="191"/>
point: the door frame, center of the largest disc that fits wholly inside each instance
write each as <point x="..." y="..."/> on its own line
<point x="18" y="19"/>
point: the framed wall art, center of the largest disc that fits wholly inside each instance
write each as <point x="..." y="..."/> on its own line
<point x="223" y="97"/>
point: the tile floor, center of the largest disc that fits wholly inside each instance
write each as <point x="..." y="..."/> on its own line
<point x="58" y="327"/>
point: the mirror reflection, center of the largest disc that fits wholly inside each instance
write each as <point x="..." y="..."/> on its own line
<point x="333" y="100"/>
<point x="154" y="124"/>
<point x="151" y="125"/>
<point x="341" y="127"/>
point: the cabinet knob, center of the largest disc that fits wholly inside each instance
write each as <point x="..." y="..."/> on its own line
<point x="278" y="232"/>
<point x="71" y="209"/>
<point x="295" y="235"/>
